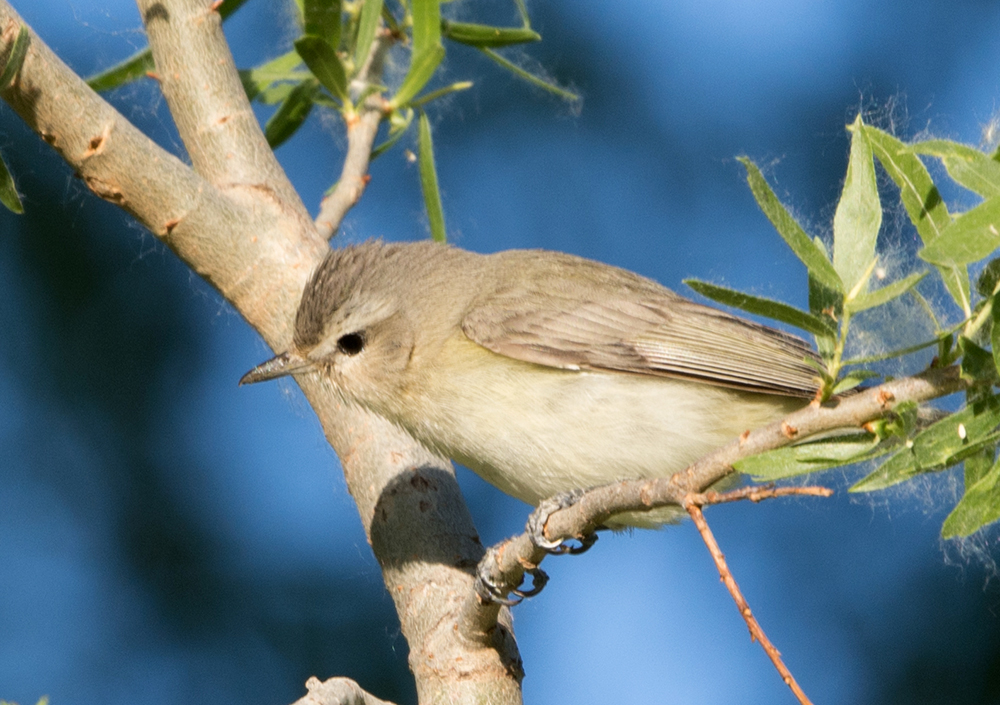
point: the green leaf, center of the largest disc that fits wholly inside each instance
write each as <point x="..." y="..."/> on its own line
<point x="429" y="181"/>
<point x="968" y="166"/>
<point x="852" y="379"/>
<point x="481" y="35"/>
<point x="531" y="78"/>
<point x="367" y="24"/>
<point x="886" y="293"/>
<point x="434" y="95"/>
<point x="977" y="465"/>
<point x="922" y="201"/>
<point x="918" y="193"/>
<point x="141" y="63"/>
<point x="808" y="457"/>
<point x="16" y="58"/>
<point x="258" y="80"/>
<point x="134" y="67"/>
<point x="977" y="363"/>
<point x="8" y="192"/>
<point x="523" y="11"/>
<point x="941" y="444"/>
<point x="995" y="332"/>
<point x="813" y="257"/>
<point x="322" y="19"/>
<point x="969" y="238"/>
<point x="979" y="506"/>
<point x="763" y="307"/>
<point x="398" y="125"/>
<point x="325" y="65"/>
<point x="859" y="214"/>
<point x="292" y="112"/>
<point x="986" y="284"/>
<point x="427" y="50"/>
<point x="899" y="352"/>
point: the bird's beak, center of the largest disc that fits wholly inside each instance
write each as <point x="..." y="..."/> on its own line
<point x="284" y="364"/>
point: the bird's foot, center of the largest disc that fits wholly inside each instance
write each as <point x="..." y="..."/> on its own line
<point x="487" y="588"/>
<point x="535" y="527"/>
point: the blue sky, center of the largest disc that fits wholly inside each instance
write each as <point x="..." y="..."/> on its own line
<point x="165" y="535"/>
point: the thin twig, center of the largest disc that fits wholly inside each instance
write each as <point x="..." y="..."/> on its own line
<point x="756" y="493"/>
<point x="361" y="134"/>
<point x="756" y="632"/>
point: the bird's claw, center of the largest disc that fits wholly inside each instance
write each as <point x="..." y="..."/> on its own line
<point x="489" y="591"/>
<point x="535" y="527"/>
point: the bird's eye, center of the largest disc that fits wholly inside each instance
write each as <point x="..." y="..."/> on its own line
<point x="351" y="343"/>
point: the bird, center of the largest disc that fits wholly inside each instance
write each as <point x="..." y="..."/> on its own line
<point x="542" y="372"/>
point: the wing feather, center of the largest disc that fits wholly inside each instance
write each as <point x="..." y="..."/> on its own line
<point x="630" y="324"/>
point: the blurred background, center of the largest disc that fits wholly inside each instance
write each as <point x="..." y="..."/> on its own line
<point x="168" y="537"/>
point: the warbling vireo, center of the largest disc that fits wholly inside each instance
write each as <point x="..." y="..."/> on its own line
<point x="541" y="371"/>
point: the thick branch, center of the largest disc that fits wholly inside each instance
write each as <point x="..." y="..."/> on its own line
<point x="600" y="503"/>
<point x="210" y="108"/>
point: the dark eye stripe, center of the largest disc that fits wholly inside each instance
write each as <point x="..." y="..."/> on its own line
<point x="351" y="343"/>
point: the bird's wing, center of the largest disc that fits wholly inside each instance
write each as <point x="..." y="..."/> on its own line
<point x="646" y="330"/>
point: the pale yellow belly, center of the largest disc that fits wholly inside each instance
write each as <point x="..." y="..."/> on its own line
<point x="535" y="431"/>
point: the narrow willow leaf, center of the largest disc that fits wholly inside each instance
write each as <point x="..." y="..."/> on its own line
<point x="859" y="213"/>
<point x="134" y="67"/>
<point x="8" y="191"/>
<point x="813" y="257"/>
<point x="898" y="468"/>
<point x="900" y="352"/>
<point x="977" y="465"/>
<point x="292" y="112"/>
<point x="922" y="201"/>
<point x="886" y="293"/>
<point x="977" y="364"/>
<point x="321" y="18"/>
<point x="941" y="444"/>
<point x="258" y="80"/>
<point x="16" y="58"/>
<point x="398" y="125"/>
<point x="979" y="506"/>
<point x="810" y="457"/>
<point x="522" y="9"/>
<point x="427" y="50"/>
<point x="367" y="24"/>
<point x="852" y="379"/>
<point x="278" y="92"/>
<point x="429" y="181"/>
<point x="531" y="78"/>
<point x="763" y="307"/>
<point x="986" y="284"/>
<point x="440" y="92"/>
<point x="995" y="332"/>
<point x="421" y="70"/>
<point x="141" y="63"/>
<point x="481" y="35"/>
<point x="325" y="65"/>
<point x="824" y="302"/>
<point x="968" y="166"/>
<point x="969" y="238"/>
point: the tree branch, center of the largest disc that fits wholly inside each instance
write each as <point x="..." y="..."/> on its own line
<point x="199" y="79"/>
<point x="337" y="691"/>
<point x="511" y="558"/>
<point x="360" y="138"/>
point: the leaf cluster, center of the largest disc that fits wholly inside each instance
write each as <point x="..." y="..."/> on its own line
<point x="328" y="66"/>
<point x="848" y="282"/>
